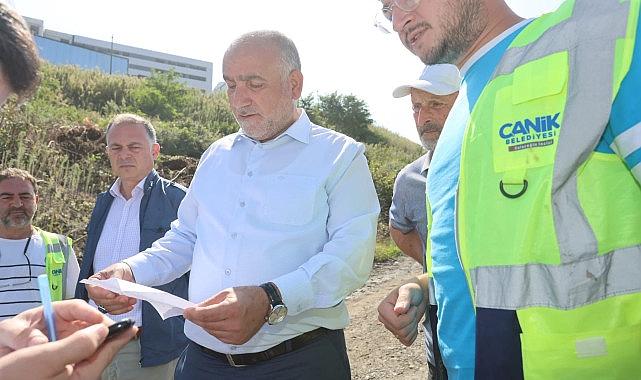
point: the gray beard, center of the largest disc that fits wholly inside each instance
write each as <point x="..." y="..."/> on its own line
<point x="430" y="145"/>
<point x="25" y="221"/>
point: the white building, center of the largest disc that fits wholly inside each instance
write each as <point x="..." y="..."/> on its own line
<point x="141" y="62"/>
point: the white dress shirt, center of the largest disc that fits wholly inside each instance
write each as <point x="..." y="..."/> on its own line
<point x="299" y="210"/>
<point x="120" y="237"/>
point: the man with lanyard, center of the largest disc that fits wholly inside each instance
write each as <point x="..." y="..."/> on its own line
<point x="136" y="211"/>
<point x="278" y="227"/>
<point x="26" y="251"/>
<point x="432" y="96"/>
<point x="534" y="189"/>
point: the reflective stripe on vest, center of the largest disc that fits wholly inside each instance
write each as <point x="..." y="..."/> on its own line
<point x="57" y="249"/>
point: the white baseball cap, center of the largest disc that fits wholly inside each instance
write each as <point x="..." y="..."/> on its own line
<point x="441" y="79"/>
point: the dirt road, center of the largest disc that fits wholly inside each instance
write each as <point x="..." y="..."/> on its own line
<point x="374" y="353"/>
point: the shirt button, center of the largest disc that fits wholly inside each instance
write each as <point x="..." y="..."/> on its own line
<point x="242" y="204"/>
<point x="234" y="235"/>
<point x="227" y="271"/>
<point x="233" y="348"/>
<point x="249" y="174"/>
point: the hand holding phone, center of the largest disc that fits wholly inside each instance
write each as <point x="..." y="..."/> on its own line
<point x="119" y="327"/>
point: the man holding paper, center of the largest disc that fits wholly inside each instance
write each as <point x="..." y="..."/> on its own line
<point x="278" y="227"/>
<point x="128" y="218"/>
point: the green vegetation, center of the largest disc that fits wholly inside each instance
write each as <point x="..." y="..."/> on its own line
<point x="58" y="137"/>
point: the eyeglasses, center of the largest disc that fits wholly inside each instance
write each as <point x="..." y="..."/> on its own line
<point x="404" y="5"/>
<point x="21" y="280"/>
<point x="384" y="17"/>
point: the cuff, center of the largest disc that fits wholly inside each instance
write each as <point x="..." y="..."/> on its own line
<point x="143" y="273"/>
<point x="296" y="290"/>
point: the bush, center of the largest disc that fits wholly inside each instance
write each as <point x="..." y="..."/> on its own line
<point x="58" y="136"/>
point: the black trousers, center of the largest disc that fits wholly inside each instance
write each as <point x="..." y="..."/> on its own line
<point x="322" y="359"/>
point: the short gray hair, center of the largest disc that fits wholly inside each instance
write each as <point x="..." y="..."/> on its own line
<point x="288" y="51"/>
<point x="130" y="118"/>
<point x="21" y="174"/>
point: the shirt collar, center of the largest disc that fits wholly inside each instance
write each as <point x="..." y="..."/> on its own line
<point x="488" y="46"/>
<point x="426" y="162"/>
<point x="299" y="131"/>
<point x="114" y="190"/>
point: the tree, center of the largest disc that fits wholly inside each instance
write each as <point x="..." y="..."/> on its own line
<point x="346" y="113"/>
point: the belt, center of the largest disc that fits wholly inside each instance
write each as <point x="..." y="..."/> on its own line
<point x="241" y="360"/>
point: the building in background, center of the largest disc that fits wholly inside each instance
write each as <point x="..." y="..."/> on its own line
<point x="67" y="49"/>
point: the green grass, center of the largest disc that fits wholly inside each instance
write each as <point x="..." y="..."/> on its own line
<point x="386" y="250"/>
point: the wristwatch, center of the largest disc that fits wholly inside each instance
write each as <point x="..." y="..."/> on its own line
<point x="278" y="310"/>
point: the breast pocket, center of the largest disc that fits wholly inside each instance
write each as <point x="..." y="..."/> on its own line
<point x="287" y="199"/>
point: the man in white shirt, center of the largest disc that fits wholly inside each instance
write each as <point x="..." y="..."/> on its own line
<point x="137" y="210"/>
<point x="26" y="251"/>
<point x="278" y="227"/>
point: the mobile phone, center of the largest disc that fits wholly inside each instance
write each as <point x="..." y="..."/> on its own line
<point x="119" y="327"/>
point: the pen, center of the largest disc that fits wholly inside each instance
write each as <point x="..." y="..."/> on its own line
<point x="45" y="296"/>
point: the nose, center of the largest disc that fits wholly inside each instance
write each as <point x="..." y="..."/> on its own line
<point x="239" y="97"/>
<point x="423" y="116"/>
<point x="124" y="152"/>
<point x="16" y="201"/>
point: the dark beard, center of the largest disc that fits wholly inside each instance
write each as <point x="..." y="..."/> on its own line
<point x="463" y="22"/>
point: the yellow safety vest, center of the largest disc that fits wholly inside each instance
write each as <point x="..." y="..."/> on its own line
<point x="547" y="226"/>
<point x="57" y="249"/>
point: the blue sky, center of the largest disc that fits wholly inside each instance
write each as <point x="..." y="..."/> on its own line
<point x="339" y="47"/>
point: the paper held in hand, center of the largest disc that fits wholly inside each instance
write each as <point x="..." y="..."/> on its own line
<point x="166" y="304"/>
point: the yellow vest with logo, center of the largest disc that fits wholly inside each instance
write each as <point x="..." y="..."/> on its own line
<point x="57" y="249"/>
<point x="546" y="225"/>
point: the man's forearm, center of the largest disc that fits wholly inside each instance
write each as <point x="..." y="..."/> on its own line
<point x="409" y="243"/>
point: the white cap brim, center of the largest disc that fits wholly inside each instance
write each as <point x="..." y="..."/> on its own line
<point x="423" y="85"/>
<point x="441" y="79"/>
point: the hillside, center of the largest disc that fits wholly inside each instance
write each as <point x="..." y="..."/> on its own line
<point x="58" y="136"/>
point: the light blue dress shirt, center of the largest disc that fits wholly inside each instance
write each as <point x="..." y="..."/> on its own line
<point x="299" y="210"/>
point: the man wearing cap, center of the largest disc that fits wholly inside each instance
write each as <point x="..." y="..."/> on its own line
<point x="432" y="96"/>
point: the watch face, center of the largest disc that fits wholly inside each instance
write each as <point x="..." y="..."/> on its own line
<point x="277" y="315"/>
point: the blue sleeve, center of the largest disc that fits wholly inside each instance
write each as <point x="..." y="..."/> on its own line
<point x="623" y="133"/>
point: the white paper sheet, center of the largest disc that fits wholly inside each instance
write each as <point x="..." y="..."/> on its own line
<point x="166" y="304"/>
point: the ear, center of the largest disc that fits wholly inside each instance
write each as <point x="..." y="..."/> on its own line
<point x="296" y="83"/>
<point x="155" y="150"/>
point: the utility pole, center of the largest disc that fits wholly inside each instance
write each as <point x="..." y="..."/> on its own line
<point x="111" y="54"/>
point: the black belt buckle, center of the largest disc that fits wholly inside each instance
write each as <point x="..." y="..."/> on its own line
<point x="230" y="360"/>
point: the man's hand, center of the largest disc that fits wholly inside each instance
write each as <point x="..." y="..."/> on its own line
<point x="79" y="354"/>
<point x="233" y="315"/>
<point x="29" y="328"/>
<point x="112" y="302"/>
<point x="401" y="311"/>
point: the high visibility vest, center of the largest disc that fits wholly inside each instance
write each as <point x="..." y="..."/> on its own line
<point x="547" y="226"/>
<point x="57" y="249"/>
